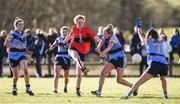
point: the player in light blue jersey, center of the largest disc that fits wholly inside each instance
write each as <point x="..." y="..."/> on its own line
<point x="17" y="55"/>
<point x="157" y="63"/>
<point x="62" y="59"/>
<point x="113" y="49"/>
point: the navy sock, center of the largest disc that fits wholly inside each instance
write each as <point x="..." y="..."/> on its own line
<point x="28" y="87"/>
<point x="14" y="86"/>
<point x="165" y="93"/>
<point x="77" y="89"/>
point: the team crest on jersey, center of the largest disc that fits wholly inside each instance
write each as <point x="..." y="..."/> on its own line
<point x="9" y="37"/>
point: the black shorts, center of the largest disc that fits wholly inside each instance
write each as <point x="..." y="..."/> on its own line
<point x="157" y="68"/>
<point x="82" y="56"/>
<point x="118" y="62"/>
<point x="15" y="63"/>
<point x="64" y="62"/>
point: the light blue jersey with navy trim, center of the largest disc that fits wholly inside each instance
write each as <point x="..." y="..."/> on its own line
<point x="61" y="51"/>
<point x="156" y="47"/>
<point x="117" y="45"/>
<point x="16" y="42"/>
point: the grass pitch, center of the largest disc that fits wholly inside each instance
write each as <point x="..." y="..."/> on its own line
<point x="149" y="93"/>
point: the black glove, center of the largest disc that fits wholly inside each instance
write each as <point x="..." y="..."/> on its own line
<point x="138" y="23"/>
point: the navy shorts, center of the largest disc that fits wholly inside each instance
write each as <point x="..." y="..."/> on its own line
<point x="157" y="68"/>
<point x="82" y="56"/>
<point x="15" y="63"/>
<point x="64" y="62"/>
<point x="117" y="62"/>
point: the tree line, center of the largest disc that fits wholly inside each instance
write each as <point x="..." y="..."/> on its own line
<point x="55" y="13"/>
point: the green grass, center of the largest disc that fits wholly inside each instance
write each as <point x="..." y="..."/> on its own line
<point x="149" y="93"/>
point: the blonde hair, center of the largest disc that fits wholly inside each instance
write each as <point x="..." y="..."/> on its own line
<point x="79" y="17"/>
<point x="52" y="30"/>
<point x="110" y="26"/>
<point x="108" y="29"/>
<point x="2" y="32"/>
<point x="17" y="20"/>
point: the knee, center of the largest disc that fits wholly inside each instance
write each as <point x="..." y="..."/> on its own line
<point x="103" y="74"/>
<point x="119" y="81"/>
<point x="162" y="79"/>
<point x="15" y="76"/>
<point x="66" y="77"/>
<point x="79" y="75"/>
<point x="26" y="73"/>
<point x="56" y="76"/>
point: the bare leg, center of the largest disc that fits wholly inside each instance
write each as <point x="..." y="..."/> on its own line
<point x="144" y="77"/>
<point x="74" y="54"/>
<point x="66" y="78"/>
<point x="79" y="76"/>
<point x="24" y="66"/>
<point x="15" y="72"/>
<point x="164" y="85"/>
<point x="78" y="82"/>
<point x="107" y="68"/>
<point x="120" y="80"/>
<point x="57" y="69"/>
<point x="79" y="68"/>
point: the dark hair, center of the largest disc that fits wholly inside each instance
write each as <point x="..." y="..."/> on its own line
<point x="153" y="33"/>
<point x="108" y="30"/>
<point x="177" y="31"/>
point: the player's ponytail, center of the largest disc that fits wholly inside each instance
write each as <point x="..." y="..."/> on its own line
<point x="17" y="20"/>
<point x="109" y="30"/>
<point x="153" y="34"/>
<point x="176" y="31"/>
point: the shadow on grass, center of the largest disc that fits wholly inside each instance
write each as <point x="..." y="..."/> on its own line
<point x="153" y="96"/>
<point x="108" y="97"/>
<point x="36" y="94"/>
<point x="156" y="97"/>
<point x="149" y="96"/>
<point x="174" y="98"/>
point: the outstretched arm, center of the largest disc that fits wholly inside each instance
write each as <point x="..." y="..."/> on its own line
<point x="66" y="39"/>
<point x="100" y="43"/>
<point x="53" y="45"/>
<point x="140" y="34"/>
